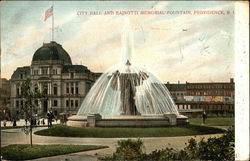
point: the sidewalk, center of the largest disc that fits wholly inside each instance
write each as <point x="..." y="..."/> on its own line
<point x="16" y="136"/>
<point x="21" y="122"/>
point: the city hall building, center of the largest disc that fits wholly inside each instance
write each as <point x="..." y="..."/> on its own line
<point x="52" y="71"/>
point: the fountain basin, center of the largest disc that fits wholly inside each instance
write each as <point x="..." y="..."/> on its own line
<point x="96" y="120"/>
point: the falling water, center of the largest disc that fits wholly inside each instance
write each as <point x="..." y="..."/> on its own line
<point x="127" y="89"/>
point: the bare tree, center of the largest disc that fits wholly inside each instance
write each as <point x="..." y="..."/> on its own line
<point x="30" y="95"/>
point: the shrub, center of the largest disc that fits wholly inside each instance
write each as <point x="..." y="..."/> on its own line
<point x="220" y="149"/>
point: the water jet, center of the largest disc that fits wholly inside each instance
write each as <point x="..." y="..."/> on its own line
<point x="127" y="95"/>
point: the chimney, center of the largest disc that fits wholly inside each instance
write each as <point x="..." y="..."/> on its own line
<point x="178" y="81"/>
<point x="167" y="82"/>
<point x="231" y="80"/>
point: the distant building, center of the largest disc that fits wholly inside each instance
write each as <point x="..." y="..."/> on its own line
<point x="52" y="71"/>
<point x="4" y="98"/>
<point x="215" y="96"/>
<point x="178" y="91"/>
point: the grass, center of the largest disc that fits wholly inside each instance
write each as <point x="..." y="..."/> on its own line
<point x="187" y="130"/>
<point x="213" y="121"/>
<point x="24" y="151"/>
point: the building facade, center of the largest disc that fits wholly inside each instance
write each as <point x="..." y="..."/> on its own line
<point x="215" y="96"/>
<point x="52" y="71"/>
<point x="4" y="98"/>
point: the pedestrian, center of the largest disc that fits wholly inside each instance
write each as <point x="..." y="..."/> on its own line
<point x="4" y="123"/>
<point x="204" y="117"/>
<point x="49" y="119"/>
<point x="14" y="122"/>
<point x="43" y="122"/>
<point x="52" y="117"/>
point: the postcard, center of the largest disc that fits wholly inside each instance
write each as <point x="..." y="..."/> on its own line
<point x="121" y="70"/>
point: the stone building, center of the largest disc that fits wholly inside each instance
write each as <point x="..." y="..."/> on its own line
<point x="178" y="91"/>
<point x="210" y="96"/>
<point x="52" y="71"/>
<point x="4" y="98"/>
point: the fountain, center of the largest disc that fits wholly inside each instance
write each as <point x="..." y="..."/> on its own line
<point x="127" y="95"/>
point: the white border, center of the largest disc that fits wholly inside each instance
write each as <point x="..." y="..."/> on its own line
<point x="241" y="80"/>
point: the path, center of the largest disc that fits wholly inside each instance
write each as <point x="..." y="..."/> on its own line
<point x="16" y="136"/>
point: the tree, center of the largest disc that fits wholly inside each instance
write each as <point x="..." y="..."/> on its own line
<point x="30" y="95"/>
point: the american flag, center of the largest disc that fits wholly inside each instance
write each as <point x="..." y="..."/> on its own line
<point x="48" y="13"/>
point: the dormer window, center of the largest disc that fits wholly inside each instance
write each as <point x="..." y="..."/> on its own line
<point x="21" y="76"/>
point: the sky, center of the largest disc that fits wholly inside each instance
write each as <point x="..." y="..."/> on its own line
<point x="175" y="47"/>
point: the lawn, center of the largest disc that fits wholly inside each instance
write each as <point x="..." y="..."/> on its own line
<point x="213" y="121"/>
<point x="187" y="130"/>
<point x="24" y="151"/>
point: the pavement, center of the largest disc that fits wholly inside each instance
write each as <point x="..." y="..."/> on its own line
<point x="22" y="122"/>
<point x="16" y="136"/>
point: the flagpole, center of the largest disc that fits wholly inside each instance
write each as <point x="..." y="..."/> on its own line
<point x="53" y="21"/>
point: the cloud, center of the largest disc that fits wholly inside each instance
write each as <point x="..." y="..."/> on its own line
<point x="161" y="44"/>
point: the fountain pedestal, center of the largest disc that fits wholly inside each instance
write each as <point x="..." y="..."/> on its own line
<point x="95" y="120"/>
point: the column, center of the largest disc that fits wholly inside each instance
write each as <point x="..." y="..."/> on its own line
<point x="50" y="103"/>
<point x="50" y="88"/>
<point x="74" y="88"/>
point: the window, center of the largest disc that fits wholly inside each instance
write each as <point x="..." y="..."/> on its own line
<point x="77" y="92"/>
<point x="21" y="76"/>
<point x="17" y="104"/>
<point x="55" y="103"/>
<point x="54" y="71"/>
<point x="76" y="103"/>
<point x="67" y="103"/>
<point x="71" y="75"/>
<point x="67" y="87"/>
<point x="55" y="89"/>
<point x="35" y="72"/>
<point x="17" y="91"/>
<point x="21" y="103"/>
<point x="72" y="87"/>
<point x="45" y="71"/>
<point x="72" y="103"/>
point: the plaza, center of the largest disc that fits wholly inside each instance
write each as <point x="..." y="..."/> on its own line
<point x="16" y="136"/>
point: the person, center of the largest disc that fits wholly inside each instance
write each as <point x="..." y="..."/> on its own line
<point x="50" y="116"/>
<point x="204" y="117"/>
<point x="43" y="122"/>
<point x="49" y="119"/>
<point x="4" y="123"/>
<point x="14" y="122"/>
